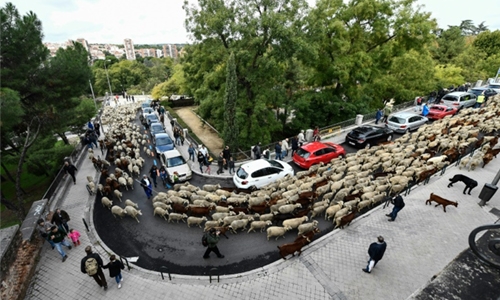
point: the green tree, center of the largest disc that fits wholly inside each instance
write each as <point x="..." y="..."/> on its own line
<point x="467" y="27"/>
<point x="488" y="42"/>
<point x="450" y="44"/>
<point x="231" y="131"/>
<point x="447" y="75"/>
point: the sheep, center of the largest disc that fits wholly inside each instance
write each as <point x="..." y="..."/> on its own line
<point x="202" y="203"/>
<point x="239" y="224"/>
<point x="295" y="222"/>
<point x="162" y="205"/>
<point x="306" y="227"/>
<point x="288" y="208"/>
<point x="100" y="187"/>
<point x="318" y="211"/>
<point x="129" y="210"/>
<point x="161" y="212"/>
<point x="437" y="159"/>
<point x="332" y="210"/>
<point x="464" y="162"/>
<point x="221" y="215"/>
<point x="211" y="187"/>
<point x="177" y="217"/>
<point x="123" y="182"/>
<point x="195" y="221"/>
<point x="91" y="187"/>
<point x="259" y="225"/>
<point x="118" y="194"/>
<point x="227" y="220"/>
<point x="369" y="195"/>
<point x="277" y="231"/>
<point x="129" y="202"/>
<point x="118" y="211"/>
<point x="342" y="212"/>
<point x="212" y="224"/>
<point x="106" y="202"/>
<point x="352" y="203"/>
<point x="266" y="217"/>
<point x="130" y="183"/>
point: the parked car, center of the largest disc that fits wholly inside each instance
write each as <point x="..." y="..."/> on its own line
<point x="316" y="152"/>
<point x="405" y="121"/>
<point x="146" y="104"/>
<point x="174" y="162"/>
<point x="145" y="111"/>
<point x="488" y="92"/>
<point x="258" y="173"/>
<point x="437" y="111"/>
<point x="494" y="86"/>
<point x="368" y="135"/>
<point x="163" y="143"/>
<point x="459" y="99"/>
<point x="155" y="128"/>
<point x="151" y="118"/>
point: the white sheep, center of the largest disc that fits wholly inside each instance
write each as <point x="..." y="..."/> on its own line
<point x="239" y="224"/>
<point x="306" y="227"/>
<point x="289" y="208"/>
<point x="123" y="182"/>
<point x="221" y="215"/>
<point x="106" y="202"/>
<point x="118" y="211"/>
<point x="118" y="194"/>
<point x="364" y="203"/>
<point x="162" y="205"/>
<point x="212" y="224"/>
<point x="259" y="225"/>
<point x="129" y="210"/>
<point x="318" y="211"/>
<point x="161" y="212"/>
<point x="130" y="182"/>
<point x="277" y="231"/>
<point x="195" y="221"/>
<point x="295" y="222"/>
<point x="177" y="217"/>
<point x="266" y="217"/>
<point x="223" y="208"/>
<point x="211" y="187"/>
<point x="129" y="202"/>
<point x="437" y="159"/>
<point x="333" y="209"/>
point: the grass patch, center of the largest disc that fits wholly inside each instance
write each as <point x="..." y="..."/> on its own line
<point x="180" y="121"/>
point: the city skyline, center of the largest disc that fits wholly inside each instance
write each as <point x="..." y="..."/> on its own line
<point x="103" y="22"/>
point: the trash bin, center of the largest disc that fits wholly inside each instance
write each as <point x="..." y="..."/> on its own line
<point x="487" y="192"/>
<point x="359" y="119"/>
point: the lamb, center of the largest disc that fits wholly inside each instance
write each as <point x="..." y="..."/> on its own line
<point x="211" y="187"/>
<point x="129" y="210"/>
<point x="318" y="211"/>
<point x="437" y="159"/>
<point x="221" y="215"/>
<point x="203" y="202"/>
<point x="257" y="200"/>
<point x="195" y="221"/>
<point x="177" y="217"/>
<point x="161" y="212"/>
<point x="341" y="213"/>
<point x="364" y="203"/>
<point x="277" y="231"/>
<point x="288" y="208"/>
<point x="259" y="225"/>
<point x="333" y="209"/>
<point x="229" y="219"/>
<point x="369" y="195"/>
<point x="123" y="182"/>
<point x="118" y="211"/>
<point x="295" y="222"/>
<point x="129" y="202"/>
<point x="106" y="202"/>
<point x="306" y="227"/>
<point x="130" y="183"/>
<point x="118" y="194"/>
<point x="266" y="217"/>
<point x="162" y="205"/>
<point x="239" y="224"/>
<point x="223" y="208"/>
<point x="212" y="224"/>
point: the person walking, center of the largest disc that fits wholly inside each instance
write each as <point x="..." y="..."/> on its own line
<point x="295" y="145"/>
<point x="231" y="165"/>
<point x="266" y="153"/>
<point x="278" y="151"/>
<point x="316" y="136"/>
<point x="44" y="229"/>
<point x="387" y="112"/>
<point x="212" y="239"/>
<point x="378" y="116"/>
<point x="163" y="175"/>
<point x="97" y="129"/>
<point x="91" y="265"/>
<point x="301" y="139"/>
<point x="204" y="150"/>
<point x="226" y="153"/>
<point x="220" y="163"/>
<point x="74" y="235"/>
<point x="479" y="101"/>
<point x="425" y="110"/>
<point x="256" y="151"/>
<point x="58" y="237"/>
<point x="70" y="169"/>
<point x="201" y="160"/>
<point x="191" y="152"/>
<point x="115" y="269"/>
<point x="61" y="219"/>
<point x="398" y="205"/>
<point x="153" y="174"/>
<point x="146" y="185"/>
<point x="376" y="252"/>
<point x="284" y="148"/>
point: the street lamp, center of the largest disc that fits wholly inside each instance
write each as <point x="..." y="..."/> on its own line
<point x="107" y="76"/>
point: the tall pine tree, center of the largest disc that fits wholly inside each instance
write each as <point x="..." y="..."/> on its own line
<point x="231" y="131"/>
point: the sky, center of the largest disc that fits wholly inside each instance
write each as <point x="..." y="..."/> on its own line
<point x="162" y="21"/>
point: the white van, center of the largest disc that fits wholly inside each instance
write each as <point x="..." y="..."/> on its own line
<point x="459" y="99"/>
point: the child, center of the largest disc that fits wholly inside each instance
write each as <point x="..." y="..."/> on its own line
<point x="75" y="236"/>
<point x="231" y="165"/>
<point x="115" y="267"/>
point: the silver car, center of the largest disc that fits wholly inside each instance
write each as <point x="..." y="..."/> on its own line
<point x="403" y="122"/>
<point x="459" y="99"/>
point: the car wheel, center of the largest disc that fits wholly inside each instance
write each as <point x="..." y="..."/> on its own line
<point x="253" y="188"/>
<point x="389" y="138"/>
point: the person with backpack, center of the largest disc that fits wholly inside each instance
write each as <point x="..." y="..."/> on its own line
<point x="92" y="266"/>
<point x="398" y="205"/>
<point x="115" y="269"/>
<point x="210" y="240"/>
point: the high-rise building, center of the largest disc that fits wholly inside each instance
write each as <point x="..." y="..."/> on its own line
<point x="84" y="44"/>
<point x="170" y="51"/>
<point x="129" y="49"/>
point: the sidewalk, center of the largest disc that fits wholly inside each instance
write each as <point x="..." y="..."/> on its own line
<point x="421" y="243"/>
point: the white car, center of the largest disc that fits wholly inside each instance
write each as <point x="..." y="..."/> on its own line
<point x="174" y="162"/>
<point x="261" y="172"/>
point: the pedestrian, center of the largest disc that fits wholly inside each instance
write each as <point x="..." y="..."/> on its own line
<point x="398" y="205"/>
<point x="92" y="266"/>
<point x="162" y="110"/>
<point x="70" y="169"/>
<point x="115" y="269"/>
<point x="387" y="112"/>
<point x="256" y="151"/>
<point x="479" y="101"/>
<point x="376" y="252"/>
<point x="74" y="235"/>
<point x="181" y="136"/>
<point x="153" y="173"/>
<point x="163" y="175"/>
<point x="97" y="128"/>
<point x="201" y="159"/>
<point x="133" y="100"/>
<point x="226" y="153"/>
<point x="295" y="145"/>
<point x="284" y="148"/>
<point x="177" y="137"/>
<point x="93" y="138"/>
<point x="231" y="165"/>
<point x="172" y="123"/>
<point x="316" y="136"/>
<point x="44" y="229"/>
<point x="205" y="153"/>
<point x="146" y="185"/>
<point x="212" y="239"/>
<point x="208" y="163"/>
<point x="191" y="152"/>
<point x="267" y="153"/>
<point x="425" y="110"/>
<point x="90" y="126"/>
<point x="378" y="116"/>
<point x="220" y="163"/>
<point x="277" y="149"/>
<point x="61" y="219"/>
<point x="58" y="237"/>
<point x="301" y="138"/>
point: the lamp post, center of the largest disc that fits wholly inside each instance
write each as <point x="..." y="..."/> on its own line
<point x="107" y="76"/>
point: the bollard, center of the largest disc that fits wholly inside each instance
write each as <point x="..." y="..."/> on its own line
<point x="166" y="271"/>
<point x="85" y="223"/>
<point x="210" y="274"/>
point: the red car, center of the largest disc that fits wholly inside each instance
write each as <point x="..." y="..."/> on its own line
<point x="437" y="112"/>
<point x="316" y="152"/>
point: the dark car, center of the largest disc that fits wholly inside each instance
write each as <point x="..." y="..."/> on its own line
<point x="367" y="136"/>
<point x="155" y="128"/>
<point x="488" y="92"/>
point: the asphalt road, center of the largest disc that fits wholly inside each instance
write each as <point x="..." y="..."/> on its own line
<point x="160" y="244"/>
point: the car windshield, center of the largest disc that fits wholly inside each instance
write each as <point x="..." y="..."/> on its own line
<point x="275" y="164"/>
<point x="450" y="98"/>
<point x="303" y="153"/>
<point x="152" y="118"/>
<point x="397" y="120"/>
<point x="494" y="85"/>
<point x="157" y="128"/>
<point x="148" y="110"/>
<point x="241" y="173"/>
<point x="476" y="92"/>
<point x="165" y="140"/>
<point x="364" y="129"/>
<point x="438" y="108"/>
<point x="175" y="161"/>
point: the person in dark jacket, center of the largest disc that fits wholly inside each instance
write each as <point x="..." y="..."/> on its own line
<point x="226" y="153"/>
<point x="398" y="205"/>
<point x="378" y="115"/>
<point x="376" y="252"/>
<point x="220" y="163"/>
<point x="295" y="144"/>
<point x="191" y="152"/>
<point x="153" y="173"/>
<point x="256" y="151"/>
<point x="99" y="275"/>
<point x="278" y="151"/>
<point x="61" y="219"/>
<point x="231" y="165"/>
<point x="70" y="169"/>
<point x="212" y="239"/>
<point x="58" y="237"/>
<point x="115" y="269"/>
<point x="201" y="160"/>
<point x="44" y="229"/>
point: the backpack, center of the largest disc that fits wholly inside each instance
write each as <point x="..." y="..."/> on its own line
<point x="204" y="240"/>
<point x="91" y="266"/>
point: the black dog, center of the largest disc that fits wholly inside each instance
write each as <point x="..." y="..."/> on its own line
<point x="469" y="182"/>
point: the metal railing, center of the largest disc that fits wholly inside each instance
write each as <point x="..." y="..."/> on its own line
<point x="493" y="245"/>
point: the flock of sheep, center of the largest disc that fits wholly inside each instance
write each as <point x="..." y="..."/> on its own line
<point x="338" y="190"/>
